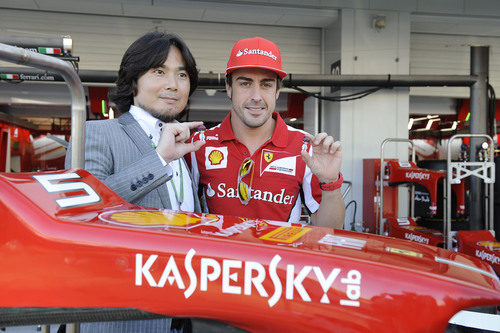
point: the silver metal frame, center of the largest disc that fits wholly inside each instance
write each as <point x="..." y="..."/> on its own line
<point x="65" y="42"/>
<point x="78" y="114"/>
<point x="78" y="110"/>
<point x="456" y="171"/>
<point x="380" y="203"/>
<point x="347" y="189"/>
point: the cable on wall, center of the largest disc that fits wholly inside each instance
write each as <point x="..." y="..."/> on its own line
<point x="343" y="98"/>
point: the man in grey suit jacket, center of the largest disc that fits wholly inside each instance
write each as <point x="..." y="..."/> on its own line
<point x="140" y="154"/>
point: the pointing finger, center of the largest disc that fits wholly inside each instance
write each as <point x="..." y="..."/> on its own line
<point x="306" y="157"/>
<point x="311" y="137"/>
<point x="335" y="147"/>
<point x="193" y="124"/>
<point x="192" y="146"/>
<point x="318" y="138"/>
<point x="327" y="142"/>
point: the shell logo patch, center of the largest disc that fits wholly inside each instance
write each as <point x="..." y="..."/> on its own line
<point x="286" y="234"/>
<point x="155" y="218"/>
<point x="215" y="157"/>
<point x="493" y="246"/>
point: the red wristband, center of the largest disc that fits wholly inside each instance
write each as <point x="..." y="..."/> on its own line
<point x="333" y="185"/>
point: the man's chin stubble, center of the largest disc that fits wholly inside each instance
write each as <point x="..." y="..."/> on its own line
<point x="167" y="118"/>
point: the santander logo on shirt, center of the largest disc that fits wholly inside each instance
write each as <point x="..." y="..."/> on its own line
<point x="224" y="191"/>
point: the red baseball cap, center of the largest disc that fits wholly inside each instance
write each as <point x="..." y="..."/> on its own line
<point x="255" y="52"/>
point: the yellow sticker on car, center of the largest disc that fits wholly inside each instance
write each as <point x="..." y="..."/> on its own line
<point x="404" y="252"/>
<point x="285" y="234"/>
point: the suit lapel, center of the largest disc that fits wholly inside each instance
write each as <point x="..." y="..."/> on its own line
<point x="135" y="132"/>
<point x="132" y="128"/>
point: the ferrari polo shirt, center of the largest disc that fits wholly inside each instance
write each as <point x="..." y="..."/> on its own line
<point x="280" y="180"/>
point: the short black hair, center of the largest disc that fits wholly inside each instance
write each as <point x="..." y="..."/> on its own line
<point x="149" y="51"/>
<point x="229" y="80"/>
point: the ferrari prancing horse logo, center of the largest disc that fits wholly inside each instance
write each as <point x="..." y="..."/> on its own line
<point x="268" y="157"/>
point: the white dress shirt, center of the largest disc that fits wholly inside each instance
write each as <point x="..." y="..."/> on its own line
<point x="152" y="127"/>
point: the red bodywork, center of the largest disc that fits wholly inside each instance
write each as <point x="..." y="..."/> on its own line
<point x="100" y="251"/>
<point x="407" y="228"/>
<point x="397" y="172"/>
<point x="409" y="172"/>
<point x="371" y="169"/>
<point x="480" y="244"/>
<point x="20" y="146"/>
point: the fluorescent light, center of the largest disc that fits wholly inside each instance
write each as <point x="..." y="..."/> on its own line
<point x="429" y="124"/>
<point x="452" y="128"/>
<point x="293" y="119"/>
<point x="425" y="118"/>
<point x="421" y="118"/>
<point x="210" y="92"/>
<point x="410" y="123"/>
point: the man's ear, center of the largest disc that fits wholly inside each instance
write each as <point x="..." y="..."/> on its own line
<point x="229" y="91"/>
<point x="277" y="93"/>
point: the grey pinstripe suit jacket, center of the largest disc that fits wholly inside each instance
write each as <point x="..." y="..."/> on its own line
<point x="120" y="154"/>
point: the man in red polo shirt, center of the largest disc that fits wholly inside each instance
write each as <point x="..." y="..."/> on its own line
<point x="253" y="164"/>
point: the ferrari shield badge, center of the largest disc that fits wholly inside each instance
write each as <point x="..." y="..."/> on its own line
<point x="268" y="157"/>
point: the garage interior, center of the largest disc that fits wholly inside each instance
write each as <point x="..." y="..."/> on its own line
<point x="341" y="57"/>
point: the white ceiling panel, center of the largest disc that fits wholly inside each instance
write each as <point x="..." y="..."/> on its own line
<point x="482" y="7"/>
<point x="250" y="12"/>
<point x="471" y="26"/>
<point x="242" y="15"/>
<point x="164" y="11"/>
<point x="441" y="6"/>
<point x="304" y="17"/>
<point x="396" y="5"/>
<point x="71" y="6"/>
<point x="450" y="55"/>
<point x="29" y="4"/>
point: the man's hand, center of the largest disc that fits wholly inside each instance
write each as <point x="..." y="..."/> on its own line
<point x="326" y="157"/>
<point x="172" y="144"/>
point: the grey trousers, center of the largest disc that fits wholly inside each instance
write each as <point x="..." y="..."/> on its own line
<point x="130" y="326"/>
